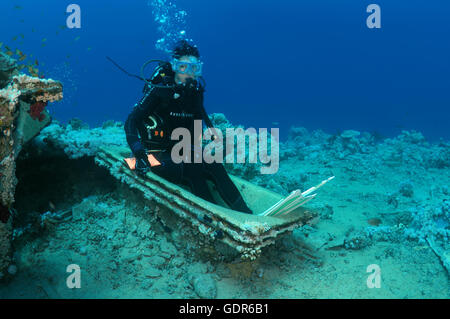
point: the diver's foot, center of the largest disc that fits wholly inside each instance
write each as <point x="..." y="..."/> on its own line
<point x="241" y="206"/>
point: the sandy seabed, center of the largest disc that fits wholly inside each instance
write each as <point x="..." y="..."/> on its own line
<point x="388" y="196"/>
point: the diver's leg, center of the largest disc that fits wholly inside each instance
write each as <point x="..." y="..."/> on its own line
<point x="169" y="170"/>
<point x="190" y="173"/>
<point x="226" y="187"/>
<point x="193" y="174"/>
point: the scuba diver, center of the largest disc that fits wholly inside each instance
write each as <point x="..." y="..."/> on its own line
<point x="173" y="98"/>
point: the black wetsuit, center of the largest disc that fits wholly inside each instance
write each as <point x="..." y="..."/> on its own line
<point x="178" y="107"/>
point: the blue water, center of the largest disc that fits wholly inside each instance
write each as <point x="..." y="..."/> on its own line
<point x="304" y="63"/>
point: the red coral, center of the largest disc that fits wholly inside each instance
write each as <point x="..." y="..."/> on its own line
<point x="36" y="110"/>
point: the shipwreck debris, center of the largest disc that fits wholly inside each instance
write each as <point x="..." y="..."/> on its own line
<point x="18" y="125"/>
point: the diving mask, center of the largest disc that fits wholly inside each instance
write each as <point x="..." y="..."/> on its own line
<point x="193" y="67"/>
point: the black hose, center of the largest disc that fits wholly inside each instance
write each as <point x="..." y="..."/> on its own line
<point x="125" y="71"/>
<point x="142" y="78"/>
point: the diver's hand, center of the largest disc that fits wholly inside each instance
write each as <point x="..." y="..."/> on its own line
<point x="142" y="164"/>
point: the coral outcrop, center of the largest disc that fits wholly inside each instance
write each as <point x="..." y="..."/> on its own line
<point x="17" y="126"/>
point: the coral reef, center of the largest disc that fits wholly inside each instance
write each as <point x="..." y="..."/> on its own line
<point x="406" y="189"/>
<point x="19" y="96"/>
<point x="36" y="110"/>
<point x="245" y="170"/>
<point x="428" y="224"/>
<point x="430" y="221"/>
<point x="388" y="206"/>
<point x="77" y="140"/>
<point x="8" y="68"/>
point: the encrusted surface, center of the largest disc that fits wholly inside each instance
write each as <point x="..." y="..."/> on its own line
<point x="17" y="92"/>
<point x="248" y="234"/>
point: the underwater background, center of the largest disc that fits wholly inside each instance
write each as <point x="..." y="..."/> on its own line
<point x="309" y="63"/>
<point x="369" y="106"/>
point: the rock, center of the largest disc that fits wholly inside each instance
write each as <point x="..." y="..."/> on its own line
<point x="82" y="210"/>
<point x="223" y="271"/>
<point x="148" y="252"/>
<point x="438" y="158"/>
<point x="143" y="230"/>
<point x="12" y="270"/>
<point x="157" y="261"/>
<point x="297" y="131"/>
<point x="77" y="124"/>
<point x="406" y="189"/>
<point x="348" y="134"/>
<point x="7" y="68"/>
<point x="204" y="286"/>
<point x="146" y="284"/>
<point x="109" y="123"/>
<point x="445" y="190"/>
<point x="219" y="119"/>
<point x="167" y="248"/>
<point x="392" y="200"/>
<point x="131" y="241"/>
<point x="129" y="255"/>
<point x="197" y="268"/>
<point x="152" y="272"/>
<point x="357" y="241"/>
<point x="273" y="185"/>
<point x="83" y="250"/>
<point x="412" y="137"/>
<point x="178" y="262"/>
<point x="326" y="211"/>
<point x="22" y="116"/>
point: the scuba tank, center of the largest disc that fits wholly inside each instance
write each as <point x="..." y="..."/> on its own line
<point x="161" y="77"/>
